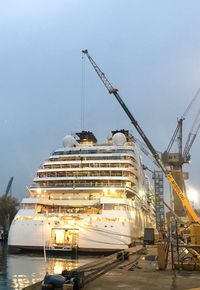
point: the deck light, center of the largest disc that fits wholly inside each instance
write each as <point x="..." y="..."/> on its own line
<point x="112" y="191"/>
<point x="193" y="195"/>
<point x="105" y="190"/>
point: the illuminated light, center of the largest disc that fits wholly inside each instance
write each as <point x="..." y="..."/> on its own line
<point x="105" y="190"/>
<point x="69" y="197"/>
<point x="60" y="197"/>
<point x="39" y="190"/>
<point x="38" y="218"/>
<point x="112" y="190"/>
<point x="193" y="195"/>
<point x="58" y="268"/>
<point x="60" y="235"/>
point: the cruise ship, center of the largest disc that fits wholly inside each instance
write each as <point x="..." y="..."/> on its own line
<point x="90" y="196"/>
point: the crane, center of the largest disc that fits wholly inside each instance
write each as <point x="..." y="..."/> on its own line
<point x="175" y="160"/>
<point x="192" y="216"/>
<point x="8" y="188"/>
<point x="191" y="137"/>
<point x="183" y="155"/>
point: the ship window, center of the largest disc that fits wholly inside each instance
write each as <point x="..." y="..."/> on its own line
<point x="109" y="206"/>
<point x="73" y="210"/>
<point x="86" y="157"/>
<point x="28" y="205"/>
<point x="112" y="206"/>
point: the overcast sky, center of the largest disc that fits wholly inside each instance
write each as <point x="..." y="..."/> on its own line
<point x="150" y="51"/>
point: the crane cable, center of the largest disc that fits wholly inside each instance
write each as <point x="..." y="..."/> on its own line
<point x="180" y="121"/>
<point x="191" y="103"/>
<point x="83" y="94"/>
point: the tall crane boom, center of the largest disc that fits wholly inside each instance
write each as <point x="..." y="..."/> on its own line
<point x="9" y="186"/>
<point x="175" y="159"/>
<point x="114" y="91"/>
<point x="192" y="135"/>
<point x="190" y="211"/>
<point x="184" y="155"/>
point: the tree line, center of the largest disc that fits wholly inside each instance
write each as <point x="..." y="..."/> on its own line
<point x="8" y="209"/>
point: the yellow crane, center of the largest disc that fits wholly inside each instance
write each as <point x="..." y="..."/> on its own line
<point x="175" y="159"/>
<point x="192" y="216"/>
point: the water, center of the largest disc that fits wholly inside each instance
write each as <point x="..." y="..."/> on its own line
<point x="20" y="270"/>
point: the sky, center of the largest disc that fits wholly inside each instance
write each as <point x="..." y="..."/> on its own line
<point x="149" y="50"/>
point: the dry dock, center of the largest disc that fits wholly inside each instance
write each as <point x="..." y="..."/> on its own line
<point x="139" y="272"/>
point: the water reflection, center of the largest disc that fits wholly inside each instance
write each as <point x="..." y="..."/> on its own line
<point x="20" y="270"/>
<point x="3" y="267"/>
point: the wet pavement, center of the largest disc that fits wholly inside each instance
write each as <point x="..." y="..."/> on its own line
<point x="145" y="276"/>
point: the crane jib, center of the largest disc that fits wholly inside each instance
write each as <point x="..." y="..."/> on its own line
<point x="193" y="216"/>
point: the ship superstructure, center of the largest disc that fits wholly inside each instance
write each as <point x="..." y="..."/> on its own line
<point x="89" y="195"/>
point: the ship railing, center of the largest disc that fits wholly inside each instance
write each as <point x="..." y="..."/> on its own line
<point x="48" y="246"/>
<point x="120" y="185"/>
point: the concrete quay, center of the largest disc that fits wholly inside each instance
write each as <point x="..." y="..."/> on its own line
<point x="146" y="276"/>
<point x="139" y="272"/>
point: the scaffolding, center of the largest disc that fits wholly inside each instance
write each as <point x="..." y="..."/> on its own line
<point x="159" y="196"/>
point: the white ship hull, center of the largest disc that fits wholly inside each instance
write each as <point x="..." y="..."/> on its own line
<point x="89" y="196"/>
<point x="110" y="231"/>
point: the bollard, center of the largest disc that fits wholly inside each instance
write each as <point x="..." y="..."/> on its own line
<point x="162" y="255"/>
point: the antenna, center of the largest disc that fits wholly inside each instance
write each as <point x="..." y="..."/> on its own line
<point x="83" y="95"/>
